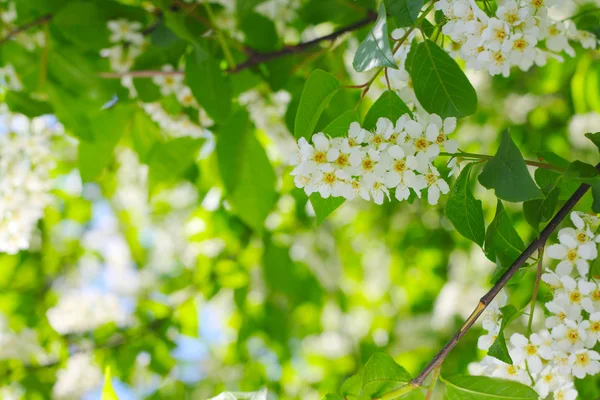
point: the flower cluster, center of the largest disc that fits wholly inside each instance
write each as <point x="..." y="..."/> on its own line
<point x="172" y="83"/>
<point x="29" y="39"/>
<point x="25" y="183"/>
<point x="521" y="33"/>
<point x="9" y="78"/>
<point x="79" y="376"/>
<point x="368" y="164"/>
<point x="83" y="311"/>
<point x="128" y="44"/>
<point x="563" y="350"/>
<point x="21" y="345"/>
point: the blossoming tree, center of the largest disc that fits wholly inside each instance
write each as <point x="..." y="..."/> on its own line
<point x="255" y="199"/>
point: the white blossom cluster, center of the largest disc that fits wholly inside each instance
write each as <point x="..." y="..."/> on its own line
<point x="563" y="351"/>
<point x="22" y="345"/>
<point x="9" y="78"/>
<point x="25" y="182"/>
<point x="128" y="43"/>
<point x="368" y="164"/>
<point x="521" y="33"/>
<point x="86" y="310"/>
<point x="78" y="377"/>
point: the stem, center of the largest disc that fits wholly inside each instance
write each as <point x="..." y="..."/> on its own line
<point x="220" y="37"/>
<point x="387" y="79"/>
<point x="394" y="50"/>
<point x="536" y="286"/>
<point x="399" y="392"/>
<point x="564" y="211"/>
<point x="436" y="375"/>
<point x="486" y="157"/>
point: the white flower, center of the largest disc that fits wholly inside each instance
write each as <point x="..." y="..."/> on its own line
<point x="547" y="381"/>
<point x="584" y="362"/>
<point x="593" y="331"/>
<point x="495" y="34"/>
<point x="570" y="254"/>
<point x="123" y="30"/>
<point x="591" y="303"/>
<point x="557" y="40"/>
<point x="492" y="316"/>
<point x="562" y="311"/>
<point x="566" y="392"/>
<point x="531" y="350"/>
<point x="436" y="185"/>
<point x="486" y="341"/>
<point x="512" y="372"/>
<point x="570" y="335"/>
<point x="169" y="82"/>
<point x="186" y="97"/>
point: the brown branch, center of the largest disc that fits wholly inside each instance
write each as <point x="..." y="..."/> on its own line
<point x="40" y="21"/>
<point x="255" y="58"/>
<point x="493" y="292"/>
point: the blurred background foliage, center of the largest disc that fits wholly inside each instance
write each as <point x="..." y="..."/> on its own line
<point x="206" y="301"/>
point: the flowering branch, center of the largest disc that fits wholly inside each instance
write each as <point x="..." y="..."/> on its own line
<point x="40" y="21"/>
<point x="256" y="58"/>
<point x="538" y="243"/>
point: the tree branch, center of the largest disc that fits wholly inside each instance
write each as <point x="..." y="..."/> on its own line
<point x="538" y="243"/>
<point x="40" y="21"/>
<point x="255" y="58"/>
<point x="493" y="292"/>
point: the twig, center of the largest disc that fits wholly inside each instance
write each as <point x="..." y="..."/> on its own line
<point x="439" y="358"/>
<point x="487" y="157"/>
<point x="40" y="21"/>
<point x="255" y="58"/>
<point x="536" y="286"/>
<point x="436" y="375"/>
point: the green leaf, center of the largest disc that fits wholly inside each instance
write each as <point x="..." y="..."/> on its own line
<point x="167" y="161"/>
<point x="538" y="211"/>
<point x="83" y="23"/>
<point x="440" y="85"/>
<point x="596" y="197"/>
<point x="108" y="392"/>
<point x="595" y="138"/>
<point x="548" y="179"/>
<point x="245" y="170"/>
<point x="552" y="158"/>
<point x="352" y="386"/>
<point x="507" y="174"/>
<point x="581" y="172"/>
<point x="464" y="211"/>
<point x="462" y="387"/>
<point x="260" y="31"/>
<point x="498" y="348"/>
<point x="209" y="85"/>
<point x="324" y="207"/>
<point x="375" y="50"/>
<point x="318" y="91"/>
<point x="339" y="126"/>
<point x="107" y="129"/>
<point x="333" y="397"/>
<point x="22" y="103"/>
<point x="381" y="375"/>
<point x="187" y="314"/>
<point x="388" y="105"/>
<point x="502" y="242"/>
<point x="405" y="12"/>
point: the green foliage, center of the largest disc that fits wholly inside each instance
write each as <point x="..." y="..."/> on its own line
<point x="464" y="211"/>
<point x="498" y="348"/>
<point x="209" y="84"/>
<point x="502" y="242"/>
<point x="461" y="387"/>
<point x="318" y="92"/>
<point x="388" y="105"/>
<point x="507" y="174"/>
<point x="108" y="393"/>
<point x="324" y="207"/>
<point x="440" y="85"/>
<point x="246" y="172"/>
<point x="405" y="12"/>
<point x="375" y="51"/>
